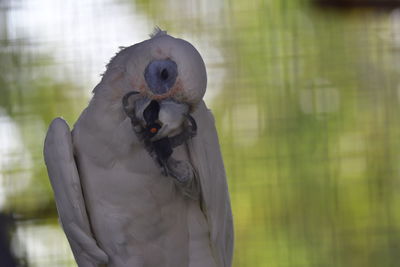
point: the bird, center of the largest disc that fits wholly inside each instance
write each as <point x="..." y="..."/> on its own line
<point x="140" y="179"/>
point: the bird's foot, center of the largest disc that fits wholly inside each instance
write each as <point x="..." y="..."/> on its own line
<point x="182" y="171"/>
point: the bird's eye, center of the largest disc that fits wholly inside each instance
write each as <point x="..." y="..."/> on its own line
<point x="164" y="74"/>
<point x="161" y="75"/>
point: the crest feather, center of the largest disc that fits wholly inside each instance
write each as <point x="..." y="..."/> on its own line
<point x="157" y="32"/>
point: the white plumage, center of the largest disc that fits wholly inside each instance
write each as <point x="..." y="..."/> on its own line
<point x="119" y="204"/>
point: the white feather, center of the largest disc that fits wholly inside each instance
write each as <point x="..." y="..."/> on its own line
<point x="157" y="32"/>
<point x="138" y="217"/>
<point x="207" y="160"/>
<point x="68" y="195"/>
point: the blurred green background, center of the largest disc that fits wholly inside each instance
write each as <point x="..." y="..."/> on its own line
<point x="306" y="99"/>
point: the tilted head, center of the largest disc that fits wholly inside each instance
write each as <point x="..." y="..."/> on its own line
<point x="156" y="84"/>
<point x="159" y="68"/>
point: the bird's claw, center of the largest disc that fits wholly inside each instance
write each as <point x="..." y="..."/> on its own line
<point x="182" y="171"/>
<point x="189" y="132"/>
<point x="193" y="126"/>
<point x="162" y="149"/>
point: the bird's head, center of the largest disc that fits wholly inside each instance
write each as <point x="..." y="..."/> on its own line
<point x="168" y="75"/>
<point x="161" y="67"/>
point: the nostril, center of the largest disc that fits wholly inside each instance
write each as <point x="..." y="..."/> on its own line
<point x="164" y="74"/>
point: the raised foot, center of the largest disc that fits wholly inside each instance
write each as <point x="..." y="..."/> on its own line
<point x="182" y="171"/>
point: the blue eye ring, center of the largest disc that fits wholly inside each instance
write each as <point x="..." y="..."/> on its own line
<point x="160" y="75"/>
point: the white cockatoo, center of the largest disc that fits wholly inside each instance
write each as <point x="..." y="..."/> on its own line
<point x="140" y="180"/>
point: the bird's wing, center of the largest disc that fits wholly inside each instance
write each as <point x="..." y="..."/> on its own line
<point x="64" y="178"/>
<point x="207" y="160"/>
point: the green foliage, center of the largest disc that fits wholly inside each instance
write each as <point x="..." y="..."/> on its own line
<point x="309" y="131"/>
<point x="32" y="98"/>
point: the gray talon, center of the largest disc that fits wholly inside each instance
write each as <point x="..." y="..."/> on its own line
<point x="162" y="149"/>
<point x="182" y="171"/>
